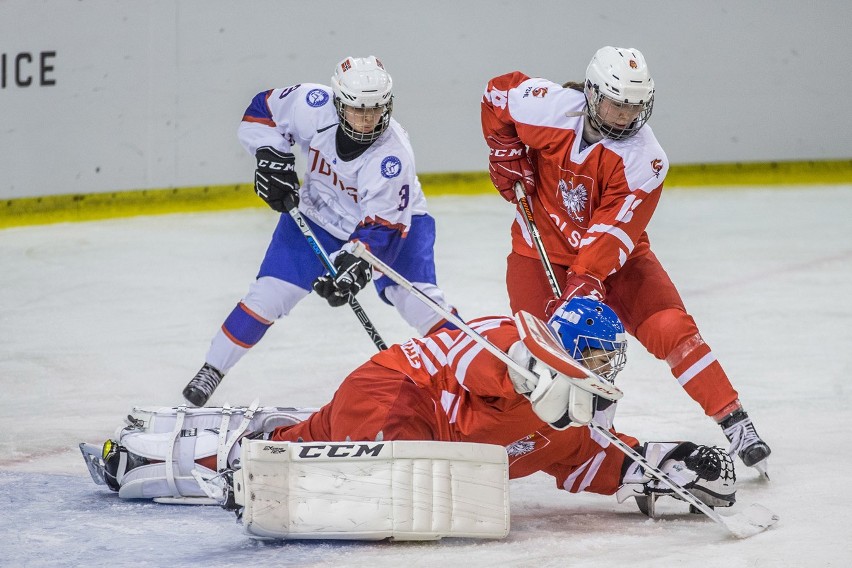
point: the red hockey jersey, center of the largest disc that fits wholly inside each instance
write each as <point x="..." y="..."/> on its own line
<point x="473" y="387"/>
<point x="592" y="203"/>
<point x="478" y="400"/>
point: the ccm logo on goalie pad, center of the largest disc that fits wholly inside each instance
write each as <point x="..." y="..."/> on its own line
<point x="333" y="450"/>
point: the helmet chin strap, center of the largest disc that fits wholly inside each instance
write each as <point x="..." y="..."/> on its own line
<point x="591" y="135"/>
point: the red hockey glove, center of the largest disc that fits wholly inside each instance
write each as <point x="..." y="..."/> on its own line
<point x="582" y="285"/>
<point x="508" y="163"/>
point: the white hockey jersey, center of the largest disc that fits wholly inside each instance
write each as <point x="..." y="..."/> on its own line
<point x="371" y="198"/>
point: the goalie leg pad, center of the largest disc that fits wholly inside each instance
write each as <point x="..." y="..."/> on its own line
<point x="154" y="456"/>
<point x="404" y="490"/>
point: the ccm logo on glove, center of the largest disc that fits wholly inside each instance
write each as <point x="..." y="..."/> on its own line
<point x="276" y="166"/>
<point x="507" y="152"/>
<point x="275" y="179"/>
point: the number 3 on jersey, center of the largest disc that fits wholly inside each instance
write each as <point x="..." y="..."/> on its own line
<point x="403" y="198"/>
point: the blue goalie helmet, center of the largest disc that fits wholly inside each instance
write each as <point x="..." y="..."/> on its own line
<point x="593" y="335"/>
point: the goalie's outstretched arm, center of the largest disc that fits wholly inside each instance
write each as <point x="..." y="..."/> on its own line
<point x="561" y="362"/>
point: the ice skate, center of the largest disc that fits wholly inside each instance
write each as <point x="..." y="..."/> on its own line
<point x="745" y="442"/>
<point x="199" y="390"/>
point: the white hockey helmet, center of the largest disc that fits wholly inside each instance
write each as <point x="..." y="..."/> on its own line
<point x="620" y="75"/>
<point x="362" y="83"/>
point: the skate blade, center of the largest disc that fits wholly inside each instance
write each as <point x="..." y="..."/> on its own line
<point x="94" y="462"/>
<point x="753" y="520"/>
<point x="647" y="505"/>
<point x="185" y="501"/>
<point x="762" y="468"/>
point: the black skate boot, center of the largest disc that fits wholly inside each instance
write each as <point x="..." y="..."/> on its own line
<point x="745" y="442"/>
<point x="199" y="390"/>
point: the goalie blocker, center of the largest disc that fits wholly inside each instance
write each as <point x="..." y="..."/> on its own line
<point x="565" y="391"/>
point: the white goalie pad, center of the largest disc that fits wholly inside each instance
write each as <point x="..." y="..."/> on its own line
<point x="404" y="490"/>
<point x="172" y="439"/>
<point x="544" y="346"/>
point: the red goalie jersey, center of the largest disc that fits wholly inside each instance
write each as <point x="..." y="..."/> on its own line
<point x="447" y="387"/>
<point x="592" y="202"/>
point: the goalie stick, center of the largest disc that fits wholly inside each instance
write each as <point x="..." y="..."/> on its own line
<point x="588" y="381"/>
<point x="326" y="262"/>
<point x="753" y="520"/>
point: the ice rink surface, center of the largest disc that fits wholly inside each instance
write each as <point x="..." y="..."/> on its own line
<point x="96" y="318"/>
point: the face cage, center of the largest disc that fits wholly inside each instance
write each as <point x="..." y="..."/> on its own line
<point x="616" y="355"/>
<point x="593" y="99"/>
<point x="363" y="137"/>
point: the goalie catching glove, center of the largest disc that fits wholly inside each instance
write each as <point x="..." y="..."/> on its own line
<point x="706" y="471"/>
<point x="353" y="274"/>
<point x="275" y="179"/>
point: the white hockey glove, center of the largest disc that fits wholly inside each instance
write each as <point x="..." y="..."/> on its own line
<point x="552" y="396"/>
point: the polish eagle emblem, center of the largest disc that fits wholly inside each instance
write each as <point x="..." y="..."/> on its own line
<point x="520" y="447"/>
<point x="575" y="199"/>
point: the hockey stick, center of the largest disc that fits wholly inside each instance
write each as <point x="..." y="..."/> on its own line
<point x="521" y="196"/>
<point x="756" y="518"/>
<point x="753" y="520"/>
<point x="591" y="383"/>
<point x="326" y="262"/>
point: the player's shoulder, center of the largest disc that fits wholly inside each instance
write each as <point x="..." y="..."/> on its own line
<point x="542" y="102"/>
<point x="643" y="143"/>
<point x="395" y="139"/>
<point x="304" y="108"/>
<point x="642" y="154"/>
<point x="309" y="95"/>
<point x="391" y="155"/>
<point x="485" y="323"/>
<point x="536" y="87"/>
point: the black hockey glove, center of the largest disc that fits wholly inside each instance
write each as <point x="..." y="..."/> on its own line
<point x="353" y="274"/>
<point x="275" y="179"/>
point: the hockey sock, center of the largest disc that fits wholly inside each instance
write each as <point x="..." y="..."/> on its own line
<point x="244" y="327"/>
